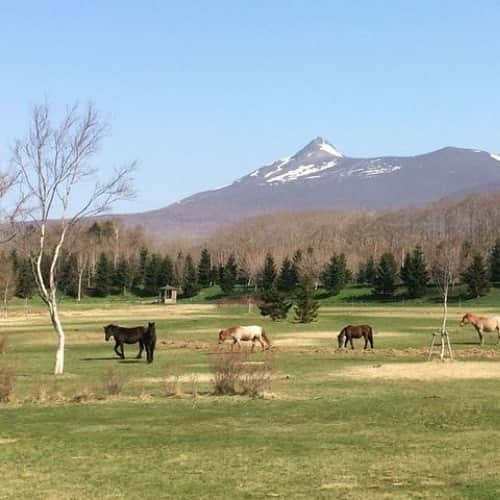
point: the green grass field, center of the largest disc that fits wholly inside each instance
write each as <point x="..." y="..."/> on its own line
<point x="334" y="424"/>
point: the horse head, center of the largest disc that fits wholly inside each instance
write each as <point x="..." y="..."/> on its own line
<point x="108" y="332"/>
<point x="151" y="327"/>
<point x="466" y="319"/>
<point x="222" y="336"/>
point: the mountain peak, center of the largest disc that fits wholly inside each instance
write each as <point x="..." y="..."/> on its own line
<point x="319" y="144"/>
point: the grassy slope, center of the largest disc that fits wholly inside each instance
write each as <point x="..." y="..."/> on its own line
<point x="324" y="436"/>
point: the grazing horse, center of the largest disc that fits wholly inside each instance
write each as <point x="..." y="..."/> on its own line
<point x="245" y="333"/>
<point x="146" y="336"/>
<point x="482" y="324"/>
<point x="350" y="332"/>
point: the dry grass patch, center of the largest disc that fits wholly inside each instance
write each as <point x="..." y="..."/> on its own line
<point x="433" y="370"/>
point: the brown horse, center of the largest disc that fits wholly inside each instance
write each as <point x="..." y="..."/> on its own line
<point x="482" y="324"/>
<point x="245" y="333"/>
<point x="146" y="336"/>
<point x="350" y="332"/>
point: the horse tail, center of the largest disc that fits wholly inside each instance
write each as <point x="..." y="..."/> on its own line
<point x="266" y="338"/>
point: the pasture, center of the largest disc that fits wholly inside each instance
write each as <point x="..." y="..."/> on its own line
<point x="334" y="424"/>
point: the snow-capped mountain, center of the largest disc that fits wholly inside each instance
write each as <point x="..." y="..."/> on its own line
<point x="320" y="176"/>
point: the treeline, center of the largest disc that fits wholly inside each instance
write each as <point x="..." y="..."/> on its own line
<point x="380" y="250"/>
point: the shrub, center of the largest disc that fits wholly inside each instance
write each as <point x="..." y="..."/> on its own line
<point x="83" y="394"/>
<point x="256" y="378"/>
<point x="7" y="379"/>
<point x="114" y="380"/>
<point x="226" y="368"/>
<point x="233" y="374"/>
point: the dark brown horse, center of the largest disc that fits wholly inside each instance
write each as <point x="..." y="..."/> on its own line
<point x="350" y="332"/>
<point x="146" y="336"/>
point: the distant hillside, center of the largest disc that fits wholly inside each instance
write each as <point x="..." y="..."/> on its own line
<point x="320" y="177"/>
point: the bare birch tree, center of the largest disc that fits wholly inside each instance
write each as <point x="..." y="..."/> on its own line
<point x="444" y="272"/>
<point x="54" y="161"/>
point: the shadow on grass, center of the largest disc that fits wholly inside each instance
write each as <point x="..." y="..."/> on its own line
<point x="107" y="358"/>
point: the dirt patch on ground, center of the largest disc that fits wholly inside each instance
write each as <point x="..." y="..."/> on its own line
<point x="185" y="344"/>
<point x="434" y="370"/>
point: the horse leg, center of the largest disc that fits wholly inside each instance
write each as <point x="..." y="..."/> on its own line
<point x="262" y="345"/>
<point x="141" y="348"/>
<point x="253" y="346"/>
<point x="481" y="336"/>
<point x="370" y="338"/>
<point x="116" y="349"/>
<point x="366" y="341"/>
<point x="346" y="341"/>
<point x="352" y="343"/>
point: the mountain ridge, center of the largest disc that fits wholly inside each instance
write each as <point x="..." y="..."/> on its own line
<point x="320" y="176"/>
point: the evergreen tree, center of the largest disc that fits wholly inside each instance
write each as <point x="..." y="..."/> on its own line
<point x="361" y="275"/>
<point x="143" y="259"/>
<point x="190" y="278"/>
<point x="306" y="307"/>
<point x="122" y="276"/>
<point x="268" y="276"/>
<point x="476" y="277"/>
<point x="152" y="275"/>
<point x="178" y="273"/>
<point x="385" y="281"/>
<point x="68" y="275"/>
<point x="370" y="271"/>
<point x="204" y="267"/>
<point x="336" y="274"/>
<point x="494" y="262"/>
<point x="165" y="271"/>
<point x="287" y="277"/>
<point x="229" y="275"/>
<point x="25" y="280"/>
<point x="405" y="271"/>
<point x="103" y="276"/>
<point x="214" y="275"/>
<point x="414" y="273"/>
<point x="274" y="303"/>
<point x="296" y="266"/>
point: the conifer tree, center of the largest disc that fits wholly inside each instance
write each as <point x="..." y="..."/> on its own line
<point x="336" y="275"/>
<point x="361" y="275"/>
<point x="214" y="276"/>
<point x="476" y="276"/>
<point x="25" y="281"/>
<point x="152" y="275"/>
<point x="190" y="278"/>
<point x="165" y="271"/>
<point x="414" y="273"/>
<point x="275" y="304"/>
<point x="297" y="266"/>
<point x="143" y="259"/>
<point x="204" y="267"/>
<point x="268" y="276"/>
<point x="306" y="306"/>
<point x="68" y="275"/>
<point x="494" y="262"/>
<point x="229" y="275"/>
<point x="385" y="280"/>
<point x="103" y="277"/>
<point x="370" y="271"/>
<point x="122" y="276"/>
<point x="287" y="277"/>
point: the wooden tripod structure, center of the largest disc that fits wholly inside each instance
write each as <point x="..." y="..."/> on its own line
<point x="444" y="346"/>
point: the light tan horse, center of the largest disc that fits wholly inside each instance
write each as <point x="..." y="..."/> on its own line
<point x="482" y="324"/>
<point x="246" y="334"/>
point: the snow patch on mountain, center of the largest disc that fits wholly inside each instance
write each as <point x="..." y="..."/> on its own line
<point x="328" y="148"/>
<point x="301" y="171"/>
<point x="495" y="157"/>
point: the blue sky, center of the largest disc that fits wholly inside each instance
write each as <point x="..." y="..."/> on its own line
<point x="204" y="92"/>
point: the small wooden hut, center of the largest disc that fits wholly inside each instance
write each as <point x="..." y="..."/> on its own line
<point x="167" y="295"/>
